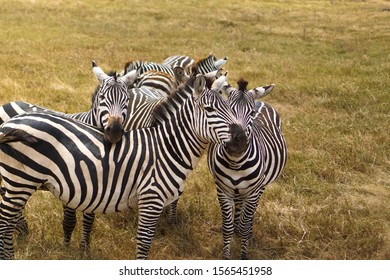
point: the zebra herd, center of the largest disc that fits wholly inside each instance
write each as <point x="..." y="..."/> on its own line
<point x="147" y="129"/>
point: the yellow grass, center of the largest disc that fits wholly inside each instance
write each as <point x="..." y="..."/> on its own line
<point x="330" y="61"/>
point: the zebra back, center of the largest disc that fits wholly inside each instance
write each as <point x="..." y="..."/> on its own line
<point x="145" y="66"/>
<point x="182" y="61"/>
<point x="202" y="66"/>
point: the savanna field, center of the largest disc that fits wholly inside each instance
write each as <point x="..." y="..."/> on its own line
<point x="330" y="62"/>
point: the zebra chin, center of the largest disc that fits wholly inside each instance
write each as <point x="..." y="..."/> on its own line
<point x="113" y="131"/>
<point x="235" y="148"/>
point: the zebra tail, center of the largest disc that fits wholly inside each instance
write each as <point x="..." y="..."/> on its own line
<point x="17" y="135"/>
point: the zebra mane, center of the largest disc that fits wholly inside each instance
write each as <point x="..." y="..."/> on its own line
<point x="94" y="94"/>
<point x="242" y="84"/>
<point x="241" y="95"/>
<point x="172" y="102"/>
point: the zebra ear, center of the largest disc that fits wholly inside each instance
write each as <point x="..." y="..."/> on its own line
<point x="199" y="85"/>
<point x="227" y="89"/>
<point x="180" y="74"/>
<point x="130" y="77"/>
<point x="221" y="62"/>
<point x="98" y="72"/>
<point x="219" y="83"/>
<point x="214" y="74"/>
<point x="260" y="92"/>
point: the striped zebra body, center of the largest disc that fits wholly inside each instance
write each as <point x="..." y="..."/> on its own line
<point x="110" y="100"/>
<point x="242" y="176"/>
<point x="145" y="170"/>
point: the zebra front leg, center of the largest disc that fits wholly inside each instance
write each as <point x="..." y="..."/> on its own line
<point x="246" y="225"/>
<point x="22" y="226"/>
<point x="68" y="224"/>
<point x="148" y="214"/>
<point x="226" y="205"/>
<point x="88" y="220"/>
<point x="237" y="214"/>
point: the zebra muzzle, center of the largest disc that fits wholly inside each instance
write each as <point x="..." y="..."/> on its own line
<point x="238" y="142"/>
<point x="114" y="130"/>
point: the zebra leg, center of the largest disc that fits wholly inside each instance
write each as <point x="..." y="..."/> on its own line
<point x="226" y="205"/>
<point x="237" y="214"/>
<point x="6" y="238"/>
<point x="149" y="211"/>
<point x="21" y="224"/>
<point x="68" y="224"/>
<point x="10" y="213"/>
<point x="246" y="224"/>
<point x="172" y="216"/>
<point x="88" y="220"/>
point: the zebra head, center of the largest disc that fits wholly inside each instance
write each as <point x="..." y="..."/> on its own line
<point x="242" y="102"/>
<point x="217" y="120"/>
<point x="111" y="102"/>
<point x="208" y="64"/>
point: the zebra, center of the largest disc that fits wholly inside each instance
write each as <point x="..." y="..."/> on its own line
<point x="144" y="170"/>
<point x="141" y="103"/>
<point x="140" y="112"/>
<point x="108" y="111"/>
<point x="242" y="176"/>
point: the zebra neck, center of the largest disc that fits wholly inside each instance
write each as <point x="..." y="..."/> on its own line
<point x="87" y="117"/>
<point x="249" y="155"/>
<point x="179" y="141"/>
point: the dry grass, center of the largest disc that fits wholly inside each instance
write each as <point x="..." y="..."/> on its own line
<point x="330" y="61"/>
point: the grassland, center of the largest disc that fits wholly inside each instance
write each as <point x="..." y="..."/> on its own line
<point x="330" y="61"/>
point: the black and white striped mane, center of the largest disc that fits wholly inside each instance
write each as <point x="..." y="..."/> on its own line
<point x="242" y="85"/>
<point x="170" y="104"/>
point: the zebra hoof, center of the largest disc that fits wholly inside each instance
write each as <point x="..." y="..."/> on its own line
<point x="84" y="247"/>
